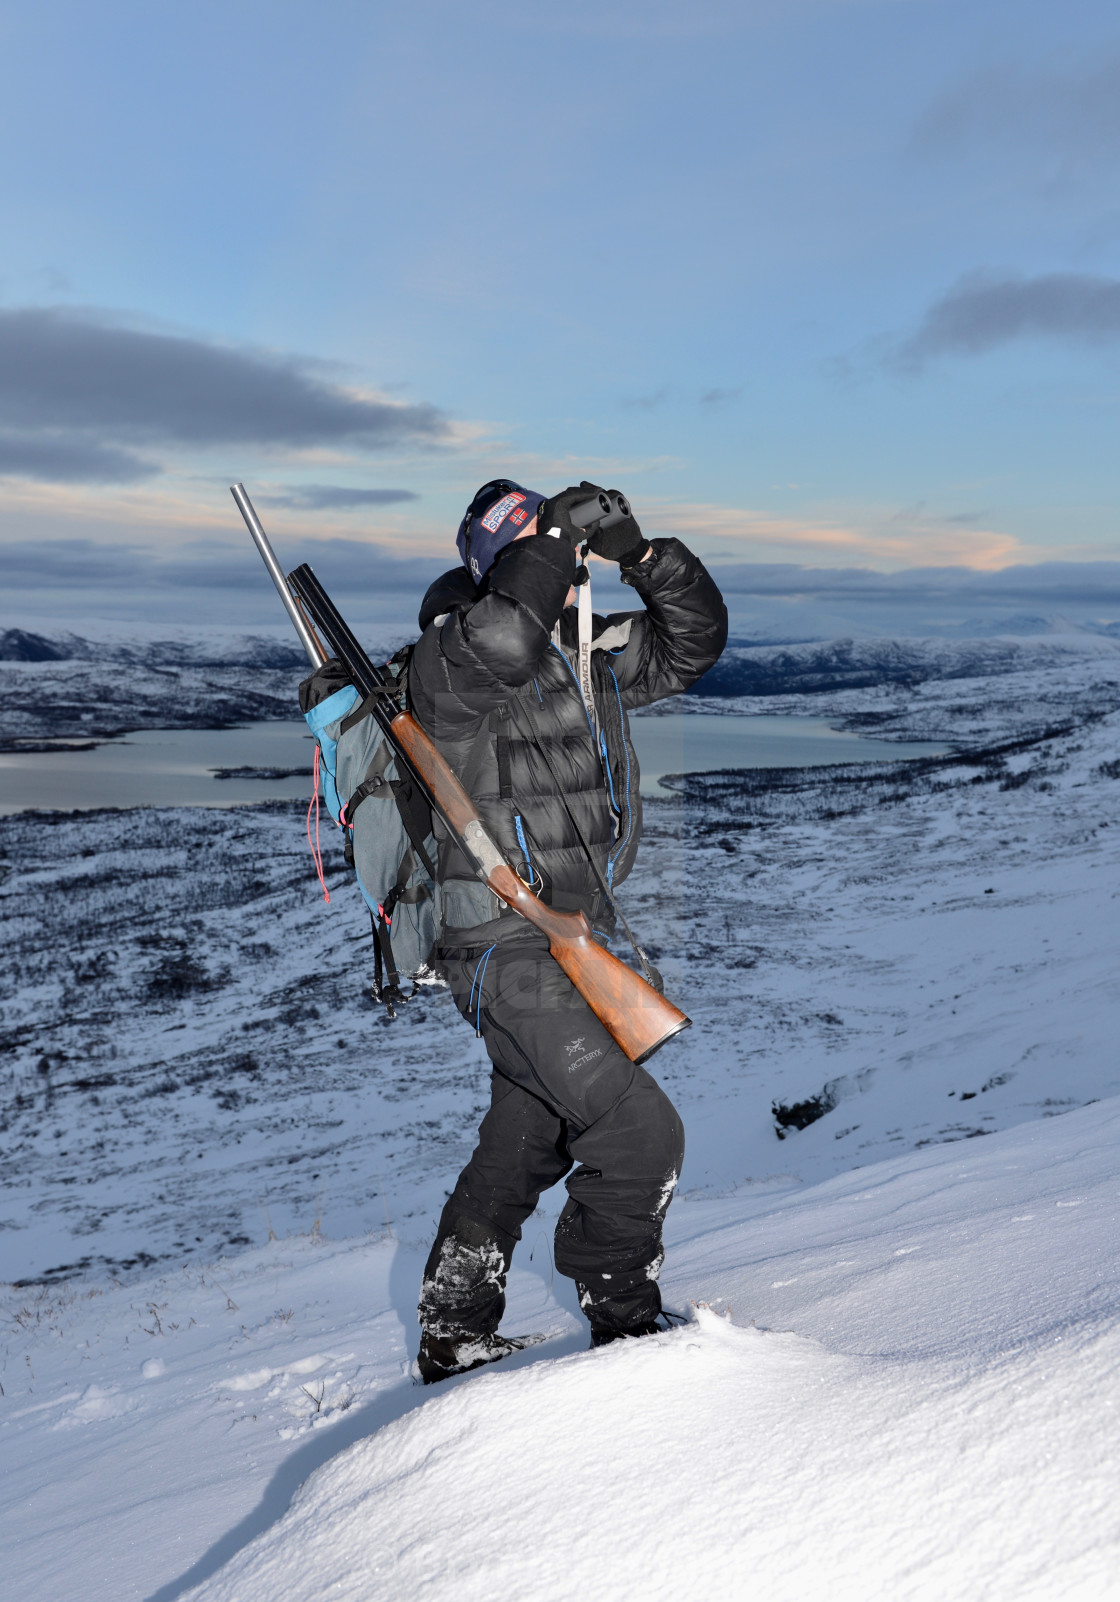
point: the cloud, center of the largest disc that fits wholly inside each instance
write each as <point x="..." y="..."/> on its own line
<point x="982" y="312"/>
<point x="645" y="403"/>
<point x="717" y="397"/>
<point x="330" y="497"/>
<point x="893" y="538"/>
<point x="965" y="519"/>
<point x="73" y="382"/>
<point x="200" y="582"/>
<point x="94" y="566"/>
<point x="67" y="459"/>
<point x="66" y="564"/>
<point x="1093" y="584"/>
<point x="1075" y="110"/>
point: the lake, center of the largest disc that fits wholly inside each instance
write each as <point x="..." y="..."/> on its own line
<point x="177" y="767"/>
<point x="696" y="742"/>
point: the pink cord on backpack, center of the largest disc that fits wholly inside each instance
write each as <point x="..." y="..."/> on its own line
<point x="316" y="853"/>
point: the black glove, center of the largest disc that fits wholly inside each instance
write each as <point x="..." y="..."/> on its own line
<point x="557" y="512"/>
<point x="621" y="542"/>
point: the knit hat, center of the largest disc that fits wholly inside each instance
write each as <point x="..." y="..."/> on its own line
<point x="498" y="514"/>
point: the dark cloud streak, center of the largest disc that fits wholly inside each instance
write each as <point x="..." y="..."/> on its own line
<point x="203" y="581"/>
<point x="71" y="383"/>
<point x="1042" y="583"/>
<point x="368" y="567"/>
<point x="644" y="403"/>
<point x="201" y="565"/>
<point x="981" y="312"/>
<point x="69" y="460"/>
<point x="327" y="497"/>
<point x="1075" y="111"/>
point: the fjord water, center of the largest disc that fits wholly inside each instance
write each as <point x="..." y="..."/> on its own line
<point x="176" y="767"/>
<point x="699" y="742"/>
<point x="160" y="768"/>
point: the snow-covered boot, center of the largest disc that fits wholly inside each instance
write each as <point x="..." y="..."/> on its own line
<point x="443" y="1355"/>
<point x="621" y="1304"/>
<point x="604" y="1335"/>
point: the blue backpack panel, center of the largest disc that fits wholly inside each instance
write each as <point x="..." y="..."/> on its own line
<point x="387" y="823"/>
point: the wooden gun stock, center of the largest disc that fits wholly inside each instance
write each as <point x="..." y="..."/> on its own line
<point x="629" y="1009"/>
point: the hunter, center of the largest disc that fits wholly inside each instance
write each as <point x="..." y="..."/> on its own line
<point x="495" y="682"/>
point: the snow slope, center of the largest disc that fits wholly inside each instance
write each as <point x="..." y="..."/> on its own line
<point x="900" y="962"/>
<point x="924" y="1408"/>
<point x="935" y="1417"/>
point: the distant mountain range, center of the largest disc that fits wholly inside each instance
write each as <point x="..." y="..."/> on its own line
<point x="208" y="650"/>
<point x="62" y="686"/>
<point x="810" y="667"/>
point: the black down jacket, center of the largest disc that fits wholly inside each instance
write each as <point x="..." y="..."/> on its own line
<point x="490" y="687"/>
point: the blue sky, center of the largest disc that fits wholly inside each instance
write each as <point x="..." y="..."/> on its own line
<point x="816" y="282"/>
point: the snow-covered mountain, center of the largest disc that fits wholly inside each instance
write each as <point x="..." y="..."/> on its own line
<point x="810" y="667"/>
<point x="55" y="687"/>
<point x="65" y="686"/>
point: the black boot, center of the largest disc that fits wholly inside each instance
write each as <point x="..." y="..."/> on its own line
<point x="441" y="1356"/>
<point x="603" y="1335"/>
<point x="616" y="1305"/>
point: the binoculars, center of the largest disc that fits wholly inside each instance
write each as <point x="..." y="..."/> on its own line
<point x="603" y="509"/>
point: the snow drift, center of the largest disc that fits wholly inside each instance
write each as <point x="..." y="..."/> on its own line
<point x="947" y="1432"/>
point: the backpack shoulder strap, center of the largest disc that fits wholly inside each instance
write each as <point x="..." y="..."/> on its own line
<point x="416" y="815"/>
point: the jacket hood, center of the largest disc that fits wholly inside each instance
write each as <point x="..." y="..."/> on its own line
<point x="452" y="589"/>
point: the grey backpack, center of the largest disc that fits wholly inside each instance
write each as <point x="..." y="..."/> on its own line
<point x="387" y="822"/>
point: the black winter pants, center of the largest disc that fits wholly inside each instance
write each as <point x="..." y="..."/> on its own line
<point x="562" y="1093"/>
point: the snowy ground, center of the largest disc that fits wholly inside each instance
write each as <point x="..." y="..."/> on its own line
<point x="897" y="961"/>
<point x="914" y="1398"/>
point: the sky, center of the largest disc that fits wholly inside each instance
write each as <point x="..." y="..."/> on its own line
<point x="829" y="288"/>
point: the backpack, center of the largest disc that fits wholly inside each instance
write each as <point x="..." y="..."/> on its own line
<point x="387" y="823"/>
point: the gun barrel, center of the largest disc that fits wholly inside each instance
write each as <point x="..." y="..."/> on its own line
<point x="308" y="639"/>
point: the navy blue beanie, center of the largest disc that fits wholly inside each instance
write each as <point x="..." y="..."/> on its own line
<point x="489" y="528"/>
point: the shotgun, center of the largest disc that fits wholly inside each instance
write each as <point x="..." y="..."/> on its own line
<point x="632" y="1011"/>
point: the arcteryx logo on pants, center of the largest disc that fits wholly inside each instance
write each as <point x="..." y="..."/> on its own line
<point x="588" y="1056"/>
